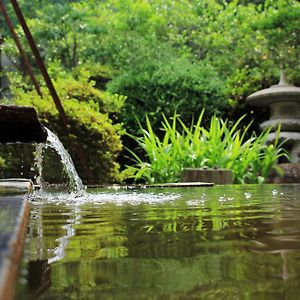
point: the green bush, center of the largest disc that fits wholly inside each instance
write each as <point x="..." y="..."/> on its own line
<point x="145" y="41"/>
<point x="90" y="126"/>
<point x="17" y="161"/>
<point x="164" y="85"/>
<point x="219" y="146"/>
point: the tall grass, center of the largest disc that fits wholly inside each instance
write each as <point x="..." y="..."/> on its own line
<point x="219" y="146"/>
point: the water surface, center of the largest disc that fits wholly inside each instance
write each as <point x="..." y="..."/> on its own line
<point x="225" y="242"/>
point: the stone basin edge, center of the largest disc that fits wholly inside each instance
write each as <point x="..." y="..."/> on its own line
<point x="13" y="194"/>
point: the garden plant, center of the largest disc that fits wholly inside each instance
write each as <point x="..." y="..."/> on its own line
<point x="222" y="145"/>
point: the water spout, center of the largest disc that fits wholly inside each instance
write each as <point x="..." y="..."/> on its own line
<point x="20" y="124"/>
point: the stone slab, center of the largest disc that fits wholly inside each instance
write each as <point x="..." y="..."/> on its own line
<point x="14" y="213"/>
<point x="181" y="184"/>
<point x="155" y="185"/>
<point x="14" y="186"/>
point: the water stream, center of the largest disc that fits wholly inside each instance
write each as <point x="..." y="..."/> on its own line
<point x="74" y="183"/>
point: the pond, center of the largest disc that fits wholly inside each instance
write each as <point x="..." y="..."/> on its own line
<point x="224" y="242"/>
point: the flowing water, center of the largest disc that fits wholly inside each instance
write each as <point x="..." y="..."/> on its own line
<point x="224" y="242"/>
<point x="74" y="183"/>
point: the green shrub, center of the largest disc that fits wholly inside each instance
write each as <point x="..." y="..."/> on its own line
<point x="162" y="86"/>
<point x="219" y="146"/>
<point x="90" y="125"/>
<point x="17" y="161"/>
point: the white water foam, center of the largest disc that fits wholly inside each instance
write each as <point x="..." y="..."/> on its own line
<point x="102" y="197"/>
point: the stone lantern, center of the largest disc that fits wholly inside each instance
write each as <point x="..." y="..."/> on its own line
<point x="283" y="99"/>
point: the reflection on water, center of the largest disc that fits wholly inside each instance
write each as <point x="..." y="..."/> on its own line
<point x="191" y="243"/>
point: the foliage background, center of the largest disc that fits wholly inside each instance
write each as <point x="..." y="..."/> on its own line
<point x="165" y="56"/>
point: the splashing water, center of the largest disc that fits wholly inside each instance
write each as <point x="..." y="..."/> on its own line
<point x="248" y="195"/>
<point x="74" y="183"/>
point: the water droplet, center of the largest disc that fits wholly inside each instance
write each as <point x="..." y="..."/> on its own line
<point x="203" y="198"/>
<point x="248" y="195"/>
<point x="192" y="202"/>
<point x="222" y="199"/>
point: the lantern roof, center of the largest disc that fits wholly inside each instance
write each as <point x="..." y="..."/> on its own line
<point x="283" y="91"/>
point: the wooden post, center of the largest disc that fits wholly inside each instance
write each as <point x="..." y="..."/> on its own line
<point x="216" y="176"/>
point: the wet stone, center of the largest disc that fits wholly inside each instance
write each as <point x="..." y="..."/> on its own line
<point x="14" y="211"/>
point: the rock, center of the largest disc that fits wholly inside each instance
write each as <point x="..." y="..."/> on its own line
<point x="291" y="174"/>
